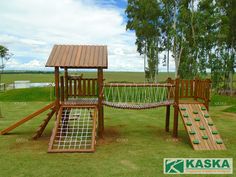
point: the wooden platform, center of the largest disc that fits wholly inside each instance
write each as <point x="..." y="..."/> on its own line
<point x="75" y="130"/>
<point x="201" y="130"/>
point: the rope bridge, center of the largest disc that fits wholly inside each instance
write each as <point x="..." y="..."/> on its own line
<point x="138" y="95"/>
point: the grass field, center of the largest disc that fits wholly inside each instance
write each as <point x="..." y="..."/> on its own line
<point x="134" y="144"/>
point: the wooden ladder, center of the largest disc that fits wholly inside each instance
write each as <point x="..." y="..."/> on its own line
<point x="43" y="125"/>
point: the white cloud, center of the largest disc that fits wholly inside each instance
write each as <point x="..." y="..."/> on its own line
<point x="30" y="28"/>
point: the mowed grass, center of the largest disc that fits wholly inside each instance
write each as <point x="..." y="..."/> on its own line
<point x="134" y="143"/>
<point x="109" y="76"/>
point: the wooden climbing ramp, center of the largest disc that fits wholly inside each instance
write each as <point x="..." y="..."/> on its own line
<point x="200" y="127"/>
<point x="75" y="130"/>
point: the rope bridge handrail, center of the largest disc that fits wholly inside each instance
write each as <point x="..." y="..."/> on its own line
<point x="137" y="95"/>
<point x="138" y="85"/>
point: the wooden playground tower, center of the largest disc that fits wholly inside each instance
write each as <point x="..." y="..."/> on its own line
<point x="79" y="104"/>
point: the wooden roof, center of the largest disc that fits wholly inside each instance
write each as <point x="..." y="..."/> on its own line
<point x="78" y="56"/>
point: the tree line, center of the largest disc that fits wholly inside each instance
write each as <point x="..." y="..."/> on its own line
<point x="198" y="35"/>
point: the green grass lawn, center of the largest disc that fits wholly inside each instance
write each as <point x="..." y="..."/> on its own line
<point x="134" y="144"/>
<point x="109" y="77"/>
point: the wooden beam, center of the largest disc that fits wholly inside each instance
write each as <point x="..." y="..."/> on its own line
<point x="176" y="109"/>
<point x="27" y="118"/>
<point x="57" y="88"/>
<point x="100" y="105"/>
<point x="167" y="118"/>
<point x="66" y="83"/>
<point x="62" y="89"/>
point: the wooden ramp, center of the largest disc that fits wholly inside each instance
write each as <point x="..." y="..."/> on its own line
<point x="27" y="118"/>
<point x="75" y="130"/>
<point x="200" y="127"/>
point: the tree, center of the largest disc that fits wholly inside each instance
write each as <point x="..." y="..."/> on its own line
<point x="144" y="19"/>
<point x="5" y="55"/>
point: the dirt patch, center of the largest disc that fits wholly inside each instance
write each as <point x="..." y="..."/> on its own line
<point x="111" y="134"/>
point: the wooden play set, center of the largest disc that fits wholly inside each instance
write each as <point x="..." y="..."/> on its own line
<point x="79" y="104"/>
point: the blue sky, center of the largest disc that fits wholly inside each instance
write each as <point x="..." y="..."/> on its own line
<point x="29" y="28"/>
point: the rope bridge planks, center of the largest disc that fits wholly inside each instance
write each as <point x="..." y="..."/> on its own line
<point x="74" y="130"/>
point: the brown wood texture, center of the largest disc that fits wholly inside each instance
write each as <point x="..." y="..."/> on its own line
<point x="66" y="82"/>
<point x="27" y="118"/>
<point x="43" y="125"/>
<point x="78" y="56"/>
<point x="57" y="94"/>
<point x="62" y="96"/>
<point x="210" y="143"/>
<point x="100" y="102"/>
<point x="176" y="107"/>
<point x="167" y="118"/>
<point x="84" y="87"/>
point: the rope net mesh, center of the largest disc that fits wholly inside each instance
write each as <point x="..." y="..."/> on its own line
<point x="75" y="130"/>
<point x="134" y="96"/>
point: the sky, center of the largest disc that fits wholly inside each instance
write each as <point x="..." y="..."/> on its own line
<point x="30" y="28"/>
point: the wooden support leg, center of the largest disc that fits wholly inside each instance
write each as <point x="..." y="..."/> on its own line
<point x="175" y="127"/>
<point x="100" y="122"/>
<point x="167" y="118"/>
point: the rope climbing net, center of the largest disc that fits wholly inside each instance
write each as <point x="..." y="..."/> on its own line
<point x="75" y="130"/>
<point x="137" y="96"/>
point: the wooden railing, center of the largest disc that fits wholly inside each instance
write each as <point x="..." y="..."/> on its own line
<point x="196" y="88"/>
<point x="76" y="86"/>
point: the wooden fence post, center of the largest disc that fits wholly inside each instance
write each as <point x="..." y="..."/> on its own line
<point x="176" y="109"/>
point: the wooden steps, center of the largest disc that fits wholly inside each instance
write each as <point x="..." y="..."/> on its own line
<point x="201" y="130"/>
<point x="42" y="127"/>
<point x="27" y="118"/>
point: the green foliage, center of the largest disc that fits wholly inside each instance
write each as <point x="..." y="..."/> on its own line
<point x="201" y="35"/>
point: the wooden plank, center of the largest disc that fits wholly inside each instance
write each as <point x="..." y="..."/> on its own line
<point x="75" y="89"/>
<point x="62" y="88"/>
<point x="186" y="89"/>
<point x="93" y="87"/>
<point x="79" y="87"/>
<point x="84" y="87"/>
<point x="66" y="83"/>
<point x="88" y="87"/>
<point x="208" y="144"/>
<point x="70" y="87"/>
<point x="191" y="88"/>
<point x="54" y="131"/>
<point x="27" y="118"/>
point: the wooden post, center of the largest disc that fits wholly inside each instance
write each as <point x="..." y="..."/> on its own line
<point x="208" y="91"/>
<point x="196" y="88"/>
<point x="168" y="107"/>
<point x="62" y="89"/>
<point x="176" y="109"/>
<point x="167" y="118"/>
<point x="66" y="83"/>
<point x="57" y="103"/>
<point x="100" y="105"/>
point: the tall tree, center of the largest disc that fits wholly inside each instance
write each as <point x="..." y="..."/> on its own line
<point x="144" y="19"/>
<point x="5" y="55"/>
